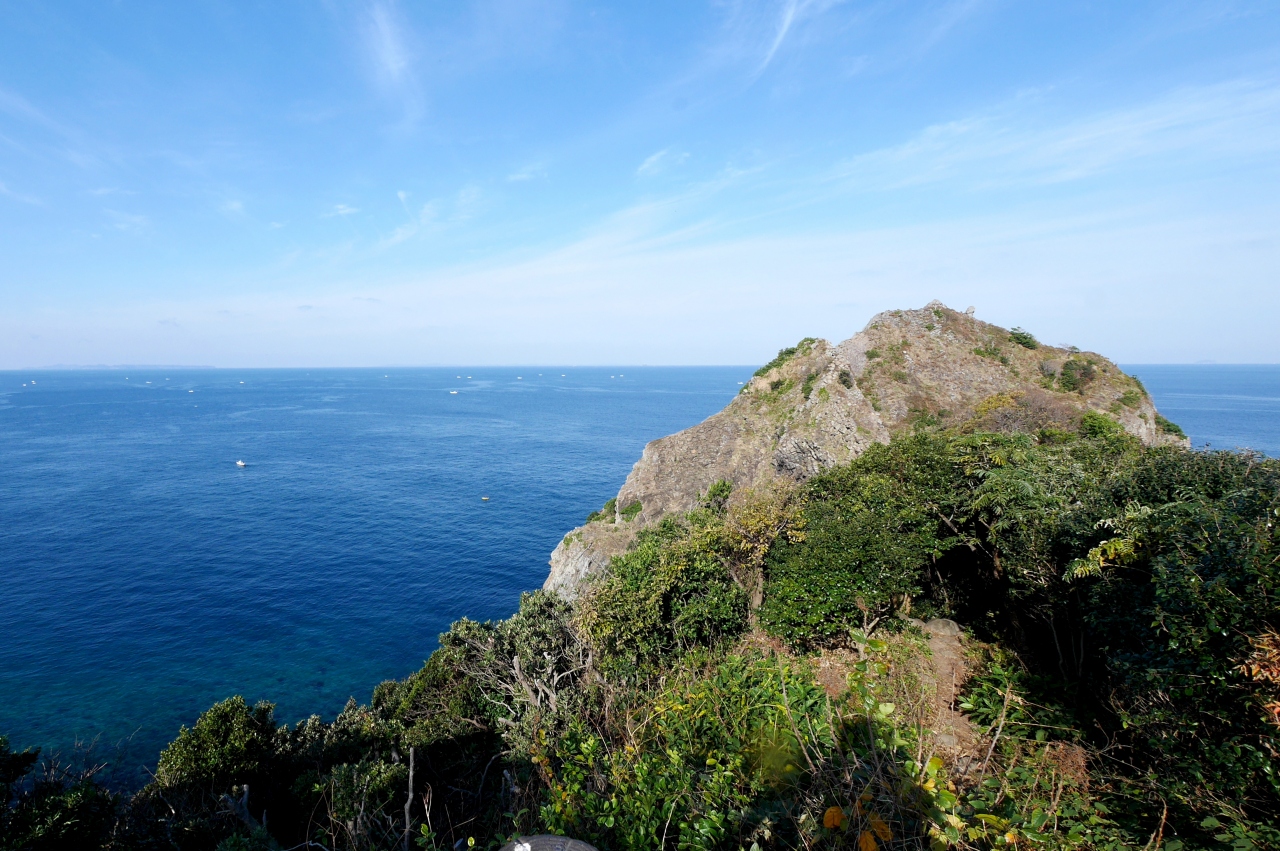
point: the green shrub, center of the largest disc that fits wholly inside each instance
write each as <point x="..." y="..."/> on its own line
<point x="671" y="593"/>
<point x="606" y="514"/>
<point x="230" y="744"/>
<point x="809" y="380"/>
<point x="784" y="355"/>
<point x="991" y="349"/>
<point x="714" y="755"/>
<point x="869" y="533"/>
<point x="1023" y="338"/>
<point x="1096" y="425"/>
<point x="629" y="511"/>
<point x="1169" y="427"/>
<point x="717" y="496"/>
<point x="55" y="810"/>
<point x="1184" y="588"/>
<point x="1076" y="374"/>
<point x="845" y="379"/>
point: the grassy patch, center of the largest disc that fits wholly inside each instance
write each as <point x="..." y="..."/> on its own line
<point x="606" y="513"/>
<point x="802" y="348"/>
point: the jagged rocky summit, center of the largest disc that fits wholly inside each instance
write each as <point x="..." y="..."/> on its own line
<point x="818" y="405"/>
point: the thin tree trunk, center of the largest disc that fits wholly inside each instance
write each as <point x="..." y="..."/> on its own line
<point x="408" y="804"/>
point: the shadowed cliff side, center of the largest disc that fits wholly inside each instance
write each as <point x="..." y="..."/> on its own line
<point x="817" y="405"/>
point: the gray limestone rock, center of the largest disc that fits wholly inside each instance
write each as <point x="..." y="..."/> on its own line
<point x="824" y="406"/>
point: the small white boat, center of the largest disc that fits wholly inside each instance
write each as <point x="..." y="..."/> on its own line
<point x="240" y="464"/>
<point x="484" y="499"/>
<point x="453" y="392"/>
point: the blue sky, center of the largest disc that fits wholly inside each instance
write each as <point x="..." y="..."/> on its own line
<point x="319" y="183"/>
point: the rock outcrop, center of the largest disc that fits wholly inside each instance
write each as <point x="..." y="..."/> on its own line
<point x="819" y="405"/>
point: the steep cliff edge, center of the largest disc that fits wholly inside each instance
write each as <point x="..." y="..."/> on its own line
<point x="818" y="405"/>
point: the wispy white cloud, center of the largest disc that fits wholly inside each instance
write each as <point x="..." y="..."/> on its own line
<point x="791" y="13"/>
<point x="940" y="22"/>
<point x="232" y="207"/>
<point x="19" y="196"/>
<point x="340" y="210"/>
<point x="436" y="215"/>
<point x="529" y="172"/>
<point x="468" y="203"/>
<point x="661" y="161"/>
<point x="19" y="107"/>
<point x="1234" y="120"/>
<point x="387" y="38"/>
<point x="385" y="41"/>
<point x="127" y="222"/>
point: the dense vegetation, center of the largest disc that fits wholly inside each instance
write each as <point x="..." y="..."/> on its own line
<point x="1124" y="633"/>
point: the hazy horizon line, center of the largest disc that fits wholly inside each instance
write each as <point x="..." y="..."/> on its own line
<point x="197" y="367"/>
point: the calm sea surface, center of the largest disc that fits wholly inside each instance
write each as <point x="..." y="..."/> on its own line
<point x="1221" y="406"/>
<point x="144" y="576"/>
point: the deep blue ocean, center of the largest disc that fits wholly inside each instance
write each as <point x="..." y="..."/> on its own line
<point x="144" y="576"/>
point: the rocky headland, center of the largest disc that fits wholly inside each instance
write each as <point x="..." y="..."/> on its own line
<point x="818" y="405"/>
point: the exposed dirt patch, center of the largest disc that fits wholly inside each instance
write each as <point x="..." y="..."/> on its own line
<point x="955" y="736"/>
<point x="832" y="669"/>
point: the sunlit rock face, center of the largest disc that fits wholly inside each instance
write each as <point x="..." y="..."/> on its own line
<point x="823" y="405"/>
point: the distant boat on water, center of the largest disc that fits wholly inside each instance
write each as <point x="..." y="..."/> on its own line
<point x="240" y="464"/>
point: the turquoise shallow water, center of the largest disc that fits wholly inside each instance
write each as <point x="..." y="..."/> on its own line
<point x="144" y="576"/>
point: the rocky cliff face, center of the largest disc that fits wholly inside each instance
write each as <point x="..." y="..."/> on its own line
<point x="820" y="405"/>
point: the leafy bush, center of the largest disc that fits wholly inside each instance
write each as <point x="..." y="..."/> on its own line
<point x="607" y="512"/>
<point x="56" y="809"/>
<point x="230" y="744"/>
<point x="869" y="534"/>
<point x="1176" y="612"/>
<point x="717" y="496"/>
<point x="991" y="349"/>
<point x="630" y="510"/>
<point x="1023" y="338"/>
<point x="1096" y="425"/>
<point x="845" y="379"/>
<point x="1169" y="427"/>
<point x="806" y="388"/>
<point x="1076" y="374"/>
<point x="784" y="355"/>
<point x="707" y="763"/>
<point x="671" y="592"/>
